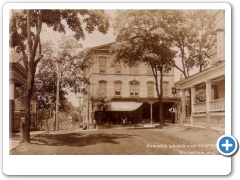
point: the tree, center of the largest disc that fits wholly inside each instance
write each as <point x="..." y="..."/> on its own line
<point x="72" y="62"/>
<point x="101" y="103"/>
<point x="68" y="108"/>
<point x="178" y="30"/>
<point x="44" y="91"/>
<point x="141" y="39"/>
<point x="192" y="32"/>
<point x="202" y="38"/>
<point x="71" y="73"/>
<point x="25" y="30"/>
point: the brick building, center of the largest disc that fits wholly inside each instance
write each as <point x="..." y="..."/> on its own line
<point x="131" y="90"/>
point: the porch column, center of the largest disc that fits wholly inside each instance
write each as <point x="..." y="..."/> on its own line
<point x="12" y="90"/>
<point x="183" y="113"/>
<point x="11" y="105"/>
<point x="151" y="118"/>
<point x="193" y="94"/>
<point x="208" y="99"/>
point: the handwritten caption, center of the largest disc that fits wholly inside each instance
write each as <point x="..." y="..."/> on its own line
<point x="185" y="149"/>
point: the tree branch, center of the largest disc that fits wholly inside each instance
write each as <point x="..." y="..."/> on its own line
<point x="20" y="43"/>
<point x="37" y="38"/>
<point x="37" y="60"/>
<point x="178" y="68"/>
<point x="29" y="39"/>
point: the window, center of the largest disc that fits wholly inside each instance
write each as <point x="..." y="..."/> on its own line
<point x="165" y="88"/>
<point x="134" y="70"/>
<point x="150" y="88"/>
<point x="118" y="68"/>
<point x="102" y="64"/>
<point x="134" y="88"/>
<point x="118" y="88"/>
<point x="149" y="70"/>
<point x="102" y="86"/>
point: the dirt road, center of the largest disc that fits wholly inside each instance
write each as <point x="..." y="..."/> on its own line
<point x="168" y="141"/>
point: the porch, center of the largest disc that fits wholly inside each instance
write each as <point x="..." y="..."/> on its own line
<point x="205" y="93"/>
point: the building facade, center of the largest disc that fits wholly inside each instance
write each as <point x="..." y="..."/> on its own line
<point x="209" y="111"/>
<point x="17" y="79"/>
<point x="131" y="90"/>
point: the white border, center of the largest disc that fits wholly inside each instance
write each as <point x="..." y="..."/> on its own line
<point x="96" y="165"/>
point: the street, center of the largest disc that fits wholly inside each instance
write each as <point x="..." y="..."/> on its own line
<point x="172" y="140"/>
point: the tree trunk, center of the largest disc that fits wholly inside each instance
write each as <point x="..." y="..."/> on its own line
<point x="200" y="68"/>
<point x="25" y="137"/>
<point x="46" y="126"/>
<point x="98" y="119"/>
<point x="25" y="125"/>
<point x="160" y="101"/>
<point x="155" y="74"/>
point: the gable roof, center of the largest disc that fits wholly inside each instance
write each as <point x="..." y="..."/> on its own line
<point x="15" y="57"/>
<point x="102" y="47"/>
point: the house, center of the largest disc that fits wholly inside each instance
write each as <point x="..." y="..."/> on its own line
<point x="210" y="110"/>
<point x="130" y="89"/>
<point x="18" y="78"/>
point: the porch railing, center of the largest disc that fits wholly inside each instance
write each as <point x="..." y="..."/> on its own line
<point x="217" y="105"/>
<point x="199" y="107"/>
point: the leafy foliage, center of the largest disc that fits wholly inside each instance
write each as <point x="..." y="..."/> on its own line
<point x="94" y="20"/>
<point x="25" y="30"/>
<point x="142" y="39"/>
<point x="192" y="32"/>
<point x="201" y="95"/>
<point x="72" y="62"/>
<point x="202" y="37"/>
<point x="101" y="102"/>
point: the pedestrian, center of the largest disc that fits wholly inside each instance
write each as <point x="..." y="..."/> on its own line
<point x="172" y="110"/>
<point x="124" y="118"/>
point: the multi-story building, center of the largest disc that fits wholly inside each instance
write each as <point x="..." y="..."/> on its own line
<point x="131" y="90"/>
<point x="211" y="110"/>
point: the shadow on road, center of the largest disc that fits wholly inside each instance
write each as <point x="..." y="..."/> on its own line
<point x="76" y="139"/>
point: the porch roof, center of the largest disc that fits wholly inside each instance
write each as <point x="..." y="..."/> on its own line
<point x="213" y="72"/>
<point x="125" y="106"/>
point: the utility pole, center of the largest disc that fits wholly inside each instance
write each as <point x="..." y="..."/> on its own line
<point x="57" y="95"/>
<point x="80" y="108"/>
<point x="88" y="106"/>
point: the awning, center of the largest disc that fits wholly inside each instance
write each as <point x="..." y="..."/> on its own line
<point x="125" y="106"/>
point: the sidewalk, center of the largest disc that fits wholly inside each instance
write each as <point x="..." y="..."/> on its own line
<point x="14" y="139"/>
<point x="203" y="126"/>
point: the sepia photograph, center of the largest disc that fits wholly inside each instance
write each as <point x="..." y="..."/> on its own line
<point x="110" y="84"/>
<point x="116" y="82"/>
